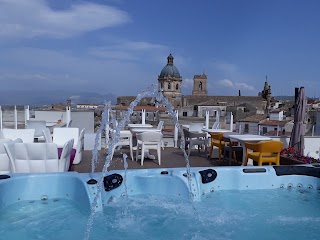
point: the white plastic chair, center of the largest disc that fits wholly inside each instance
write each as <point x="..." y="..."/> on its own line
<point x="147" y="141"/>
<point x="125" y="140"/>
<point x="5" y="165"/>
<point x="38" y="126"/>
<point x="26" y="135"/>
<point x="193" y="139"/>
<point x="38" y="157"/>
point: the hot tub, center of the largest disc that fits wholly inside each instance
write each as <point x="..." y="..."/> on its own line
<point x="218" y="203"/>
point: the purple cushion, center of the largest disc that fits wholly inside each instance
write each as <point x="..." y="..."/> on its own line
<point x="72" y="155"/>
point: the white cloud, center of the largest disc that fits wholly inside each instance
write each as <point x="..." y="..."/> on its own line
<point x="128" y="50"/>
<point x="33" y="18"/>
<point x="57" y="70"/>
<point x="235" y="85"/>
<point x="227" y="68"/>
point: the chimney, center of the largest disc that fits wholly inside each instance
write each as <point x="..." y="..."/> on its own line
<point x="239" y="93"/>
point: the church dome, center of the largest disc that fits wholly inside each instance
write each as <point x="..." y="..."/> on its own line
<point x="170" y="69"/>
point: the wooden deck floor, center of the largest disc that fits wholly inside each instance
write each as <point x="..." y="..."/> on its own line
<point x="171" y="158"/>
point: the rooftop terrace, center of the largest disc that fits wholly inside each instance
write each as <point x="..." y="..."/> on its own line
<point x="170" y="158"/>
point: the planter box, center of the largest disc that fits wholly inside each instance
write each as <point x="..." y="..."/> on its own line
<point x="289" y="161"/>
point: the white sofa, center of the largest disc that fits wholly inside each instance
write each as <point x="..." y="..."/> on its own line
<point x="5" y="166"/>
<point x="38" y="157"/>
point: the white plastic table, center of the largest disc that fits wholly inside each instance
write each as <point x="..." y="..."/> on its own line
<point x="141" y="130"/>
<point x="247" y="138"/>
<point x="139" y="125"/>
<point x="215" y="130"/>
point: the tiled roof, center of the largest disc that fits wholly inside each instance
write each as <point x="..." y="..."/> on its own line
<point x="274" y="123"/>
<point x="139" y="108"/>
<point x="255" y="118"/>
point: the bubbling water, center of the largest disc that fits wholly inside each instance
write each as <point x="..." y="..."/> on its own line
<point x="159" y="100"/>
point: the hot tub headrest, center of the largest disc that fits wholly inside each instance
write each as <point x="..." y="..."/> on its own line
<point x="297" y="170"/>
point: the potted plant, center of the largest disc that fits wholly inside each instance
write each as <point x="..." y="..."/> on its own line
<point x="290" y="156"/>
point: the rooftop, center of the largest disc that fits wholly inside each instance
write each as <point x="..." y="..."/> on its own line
<point x="170" y="158"/>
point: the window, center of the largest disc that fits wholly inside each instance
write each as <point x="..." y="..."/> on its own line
<point x="185" y="114"/>
<point x="177" y="86"/>
<point x="246" y="128"/>
<point x="264" y="130"/>
<point x="169" y="85"/>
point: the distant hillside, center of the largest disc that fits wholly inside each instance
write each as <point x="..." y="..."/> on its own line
<point x="284" y="98"/>
<point x="52" y="97"/>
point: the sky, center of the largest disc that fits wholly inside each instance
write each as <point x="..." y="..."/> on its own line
<point x="121" y="46"/>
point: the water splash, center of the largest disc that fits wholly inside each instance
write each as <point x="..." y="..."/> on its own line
<point x="125" y="165"/>
<point x="159" y="100"/>
<point x="103" y="124"/>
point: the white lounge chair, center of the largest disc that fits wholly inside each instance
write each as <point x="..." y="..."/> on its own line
<point x="26" y="135"/>
<point x="38" y="126"/>
<point x="62" y="135"/>
<point x="5" y="165"/>
<point x="38" y="157"/>
<point x="125" y="140"/>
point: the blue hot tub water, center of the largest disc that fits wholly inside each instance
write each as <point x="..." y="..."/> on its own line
<point x="235" y="205"/>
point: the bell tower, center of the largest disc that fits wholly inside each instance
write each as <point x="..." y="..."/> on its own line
<point x="200" y="85"/>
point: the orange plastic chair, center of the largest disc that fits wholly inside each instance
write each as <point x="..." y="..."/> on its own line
<point x="217" y="140"/>
<point x="264" y="152"/>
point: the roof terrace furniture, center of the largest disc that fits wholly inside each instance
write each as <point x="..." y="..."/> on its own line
<point x="231" y="147"/>
<point x="242" y="138"/>
<point x="264" y="152"/>
<point x="125" y="139"/>
<point x="139" y="125"/>
<point x="26" y="135"/>
<point x="5" y="165"/>
<point x="38" y="126"/>
<point x="38" y="157"/>
<point x="147" y="141"/>
<point x="217" y="141"/>
<point x="193" y="139"/>
<point x="62" y="135"/>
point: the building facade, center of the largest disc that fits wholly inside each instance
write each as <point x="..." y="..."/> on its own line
<point x="169" y="82"/>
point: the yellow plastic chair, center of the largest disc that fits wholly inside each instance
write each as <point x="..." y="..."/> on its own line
<point x="217" y="141"/>
<point x="264" y="152"/>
